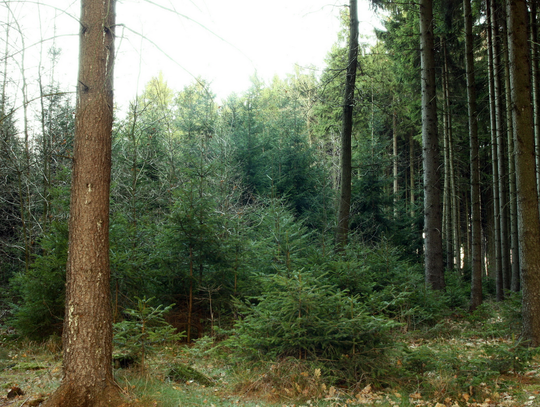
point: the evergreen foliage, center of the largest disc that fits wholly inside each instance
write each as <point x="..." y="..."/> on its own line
<point x="301" y="316"/>
<point x="143" y="329"/>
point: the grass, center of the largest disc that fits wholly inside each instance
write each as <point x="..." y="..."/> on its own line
<point x="462" y="361"/>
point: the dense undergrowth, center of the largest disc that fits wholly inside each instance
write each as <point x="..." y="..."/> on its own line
<point x="463" y="360"/>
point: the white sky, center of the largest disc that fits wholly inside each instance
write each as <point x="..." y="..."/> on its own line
<point x="225" y="42"/>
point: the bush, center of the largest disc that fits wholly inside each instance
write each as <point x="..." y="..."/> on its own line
<point x="299" y="316"/>
<point x="144" y="329"/>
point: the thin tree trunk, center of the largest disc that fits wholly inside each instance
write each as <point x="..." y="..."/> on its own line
<point x="447" y="194"/>
<point x="514" y="239"/>
<point x="395" y="161"/>
<point x="535" y="86"/>
<point x="476" y="225"/>
<point x="501" y="161"/>
<point x="453" y="194"/>
<point x="346" y="133"/>
<point x="411" y="172"/>
<point x="495" y="183"/>
<point x="434" y="271"/>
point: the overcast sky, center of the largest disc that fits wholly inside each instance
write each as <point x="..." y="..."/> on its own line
<point x="223" y="41"/>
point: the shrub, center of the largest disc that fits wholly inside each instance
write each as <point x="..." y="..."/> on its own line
<point x="144" y="328"/>
<point x="299" y="316"/>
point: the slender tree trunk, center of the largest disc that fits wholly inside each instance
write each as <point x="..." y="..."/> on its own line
<point x="87" y="337"/>
<point x="535" y="65"/>
<point x="476" y="225"/>
<point x="395" y="161"/>
<point x="434" y="271"/>
<point x="501" y="153"/>
<point x="447" y="193"/>
<point x="495" y="172"/>
<point x="453" y="214"/>
<point x="411" y="172"/>
<point x="346" y="132"/>
<point x="514" y="239"/>
<point x="528" y="214"/>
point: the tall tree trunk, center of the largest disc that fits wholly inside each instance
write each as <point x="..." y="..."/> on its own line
<point x="346" y="132"/>
<point x="453" y="193"/>
<point x="535" y="65"/>
<point x="447" y="193"/>
<point x="528" y="215"/>
<point x="87" y="337"/>
<point x="494" y="167"/>
<point x="434" y="271"/>
<point x="411" y="172"/>
<point x="476" y="225"/>
<point x="395" y="162"/>
<point x="514" y="239"/>
<point x="501" y="143"/>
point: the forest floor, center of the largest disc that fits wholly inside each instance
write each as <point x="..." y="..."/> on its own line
<point x="454" y="364"/>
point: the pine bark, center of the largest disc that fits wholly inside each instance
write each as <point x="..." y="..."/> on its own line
<point x="527" y="200"/>
<point x="535" y="66"/>
<point x="476" y="225"/>
<point x="515" y="284"/>
<point x="434" y="271"/>
<point x="501" y="151"/>
<point x="494" y="167"/>
<point x="346" y="132"/>
<point x="87" y="336"/>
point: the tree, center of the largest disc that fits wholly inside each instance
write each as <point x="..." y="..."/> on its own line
<point x="87" y="335"/>
<point x="527" y="200"/>
<point x="430" y="144"/>
<point x="476" y="226"/>
<point x="346" y="131"/>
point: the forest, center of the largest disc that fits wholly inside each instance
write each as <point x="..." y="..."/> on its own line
<point x="366" y="235"/>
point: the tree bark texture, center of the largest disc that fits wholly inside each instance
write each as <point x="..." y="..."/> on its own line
<point x="527" y="200"/>
<point x="476" y="225"/>
<point x="501" y="144"/>
<point x="346" y="132"/>
<point x="434" y="271"/>
<point x="87" y="335"/>
<point x="535" y="66"/>
<point x="515" y="284"/>
<point x="495" y="168"/>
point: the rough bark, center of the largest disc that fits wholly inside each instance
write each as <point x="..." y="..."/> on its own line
<point x="434" y="271"/>
<point x="447" y="234"/>
<point x="535" y="66"/>
<point x="494" y="167"/>
<point x="501" y="150"/>
<point x="476" y="225"/>
<point x="87" y="337"/>
<point x="527" y="200"/>
<point x="515" y="284"/>
<point x="346" y="132"/>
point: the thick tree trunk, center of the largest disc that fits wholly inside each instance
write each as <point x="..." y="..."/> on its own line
<point x="346" y="132"/>
<point x="434" y="271"/>
<point x="87" y="338"/>
<point x="528" y="215"/>
<point x="476" y="225"/>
